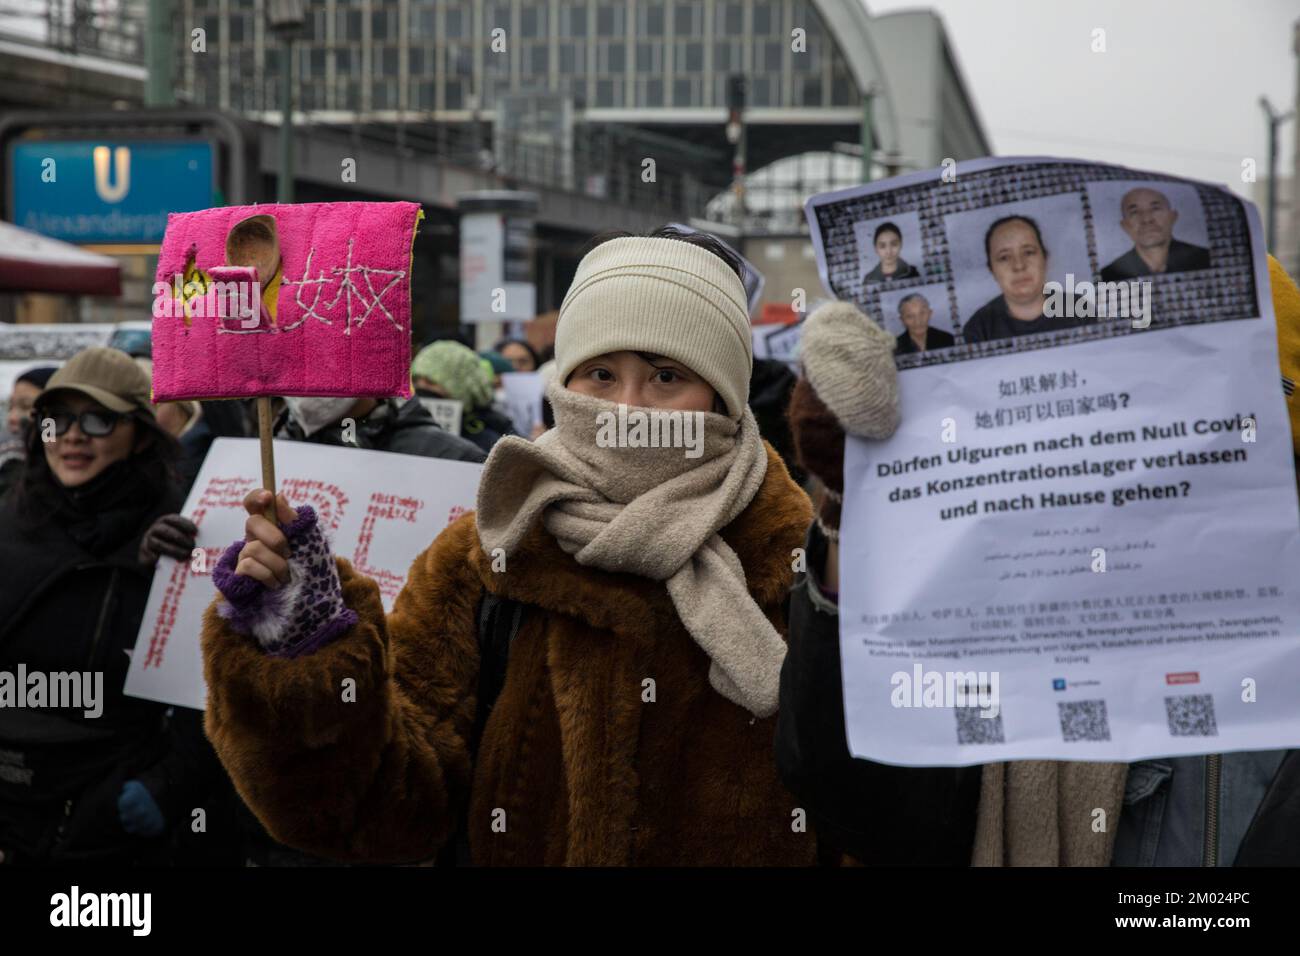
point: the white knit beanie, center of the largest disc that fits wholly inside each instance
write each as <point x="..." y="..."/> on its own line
<point x="849" y="361"/>
<point x="664" y="296"/>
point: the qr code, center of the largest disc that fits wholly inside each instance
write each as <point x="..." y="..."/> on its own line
<point x="1083" y="720"/>
<point x="975" y="729"/>
<point x="1191" y="715"/>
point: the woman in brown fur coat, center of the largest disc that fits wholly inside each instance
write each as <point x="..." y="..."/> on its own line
<point x="645" y="585"/>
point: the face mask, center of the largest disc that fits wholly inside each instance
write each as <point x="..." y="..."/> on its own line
<point x="313" y="414"/>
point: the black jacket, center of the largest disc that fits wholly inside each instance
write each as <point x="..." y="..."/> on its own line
<point x="934" y="339"/>
<point x="876" y="813"/>
<point x="64" y="608"/>
<point x="993" y="320"/>
<point x="485" y="427"/>
<point x="770" y="387"/>
<point x="904" y="270"/>
<point x="1183" y="257"/>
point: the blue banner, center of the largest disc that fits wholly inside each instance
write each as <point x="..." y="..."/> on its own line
<point x="108" y="192"/>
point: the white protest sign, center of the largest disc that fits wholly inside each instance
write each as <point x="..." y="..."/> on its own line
<point x="379" y="510"/>
<point x="447" y="412"/>
<point x="1081" y="543"/>
<point x="524" y="400"/>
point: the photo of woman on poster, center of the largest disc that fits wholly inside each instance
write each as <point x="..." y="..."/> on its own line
<point x="888" y="244"/>
<point x="1017" y="257"/>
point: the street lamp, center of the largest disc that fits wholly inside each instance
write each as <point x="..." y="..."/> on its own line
<point x="286" y="19"/>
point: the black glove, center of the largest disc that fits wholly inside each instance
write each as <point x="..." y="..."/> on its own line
<point x="171" y="535"/>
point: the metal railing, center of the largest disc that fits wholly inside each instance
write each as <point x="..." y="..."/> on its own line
<point x="111" y="29"/>
<point x="602" y="163"/>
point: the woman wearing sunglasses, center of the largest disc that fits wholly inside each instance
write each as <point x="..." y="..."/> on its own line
<point x="86" y="782"/>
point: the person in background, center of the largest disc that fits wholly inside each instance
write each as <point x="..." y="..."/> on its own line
<point x="447" y="369"/>
<point x="382" y="424"/>
<point x="863" y="812"/>
<point x="229" y="418"/>
<point x="498" y="364"/>
<point x="75" y="785"/>
<point x="522" y="356"/>
<point x="176" y="418"/>
<point x="770" y="384"/>
<point x="27" y="388"/>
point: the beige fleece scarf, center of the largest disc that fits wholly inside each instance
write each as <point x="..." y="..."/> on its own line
<point x="652" y="512"/>
<point x="1048" y="813"/>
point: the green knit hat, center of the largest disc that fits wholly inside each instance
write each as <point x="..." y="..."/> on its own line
<point x="457" y="369"/>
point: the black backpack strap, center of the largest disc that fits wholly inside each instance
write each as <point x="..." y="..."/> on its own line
<point x="498" y="623"/>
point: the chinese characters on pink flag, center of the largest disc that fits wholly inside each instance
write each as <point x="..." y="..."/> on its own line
<point x="311" y="299"/>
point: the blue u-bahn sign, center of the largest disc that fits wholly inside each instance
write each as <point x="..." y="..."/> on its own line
<point x="108" y="192"/>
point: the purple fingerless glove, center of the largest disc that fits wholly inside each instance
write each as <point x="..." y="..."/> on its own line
<point x="295" y="618"/>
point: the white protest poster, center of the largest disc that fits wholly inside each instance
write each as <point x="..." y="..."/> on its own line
<point x="379" y="510"/>
<point x="1081" y="543"/>
<point x="524" y="400"/>
<point x="447" y="412"/>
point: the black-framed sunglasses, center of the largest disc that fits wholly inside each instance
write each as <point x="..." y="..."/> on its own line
<point x="96" y="423"/>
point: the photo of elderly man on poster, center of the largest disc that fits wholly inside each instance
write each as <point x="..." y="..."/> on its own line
<point x="1148" y="217"/>
<point x="919" y="336"/>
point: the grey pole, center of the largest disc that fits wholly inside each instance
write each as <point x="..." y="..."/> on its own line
<point x="158" y="86"/>
<point x="1274" y="120"/>
<point x="284" y="190"/>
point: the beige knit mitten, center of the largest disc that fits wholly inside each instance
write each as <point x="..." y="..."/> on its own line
<point x="849" y="361"/>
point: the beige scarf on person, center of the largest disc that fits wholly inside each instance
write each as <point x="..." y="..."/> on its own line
<point x="652" y="512"/>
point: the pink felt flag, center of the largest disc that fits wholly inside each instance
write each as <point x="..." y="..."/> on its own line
<point x="309" y="299"/>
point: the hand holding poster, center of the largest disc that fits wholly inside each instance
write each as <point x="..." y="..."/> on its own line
<point x="1081" y="543"/>
<point x="379" y="510"/>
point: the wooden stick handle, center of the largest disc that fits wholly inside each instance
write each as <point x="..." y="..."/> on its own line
<point x="268" y="454"/>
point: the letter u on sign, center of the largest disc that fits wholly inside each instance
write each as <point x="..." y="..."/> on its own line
<point x="112" y="189"/>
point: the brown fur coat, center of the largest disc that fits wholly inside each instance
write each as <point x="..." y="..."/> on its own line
<point x="574" y="768"/>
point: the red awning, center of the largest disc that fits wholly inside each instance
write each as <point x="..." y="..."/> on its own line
<point x="30" y="262"/>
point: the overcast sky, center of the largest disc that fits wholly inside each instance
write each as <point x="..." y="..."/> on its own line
<point x="1177" y="89"/>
